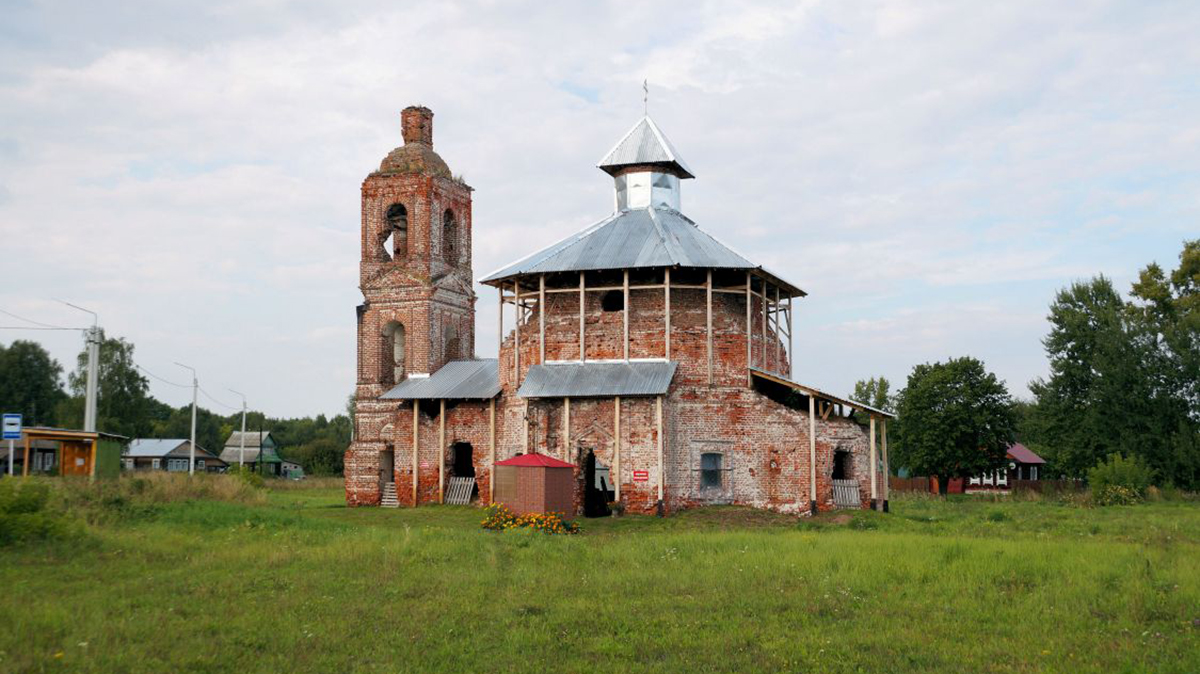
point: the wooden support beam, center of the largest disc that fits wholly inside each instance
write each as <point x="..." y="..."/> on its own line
<point x="541" y="318"/>
<point x="826" y="408"/>
<point x="517" y="338"/>
<point x="415" y="431"/>
<point x="625" y="314"/>
<point x="582" y="302"/>
<point x="887" y="473"/>
<point x="442" y="451"/>
<point x="492" y="450"/>
<point x="777" y="340"/>
<point x="791" y="343"/>
<point x="25" y="465"/>
<point x="658" y="421"/>
<point x="708" y="324"/>
<point x="812" y="450"/>
<point x="500" y="323"/>
<point x="667" y="311"/>
<point x="763" y="350"/>
<point x="616" y="467"/>
<point x="749" y="328"/>
<point x="566" y="430"/>
<point x="874" y="461"/>
<point x="92" y="467"/>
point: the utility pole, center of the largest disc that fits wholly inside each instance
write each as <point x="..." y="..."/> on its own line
<point x="242" y="455"/>
<point x="195" y="391"/>
<point x="93" y="337"/>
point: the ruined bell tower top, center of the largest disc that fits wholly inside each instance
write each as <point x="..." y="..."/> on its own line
<point x="416" y="155"/>
<point x="416" y="125"/>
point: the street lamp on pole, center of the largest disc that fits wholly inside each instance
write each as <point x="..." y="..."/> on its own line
<point x="242" y="454"/>
<point x="195" y="391"/>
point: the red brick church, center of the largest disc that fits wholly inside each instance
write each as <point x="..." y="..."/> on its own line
<point x="648" y="355"/>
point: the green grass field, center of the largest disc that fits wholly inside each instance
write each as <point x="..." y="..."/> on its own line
<point x="296" y="582"/>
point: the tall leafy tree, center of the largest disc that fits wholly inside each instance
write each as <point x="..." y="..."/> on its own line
<point x="124" y="405"/>
<point x="30" y="382"/>
<point x="875" y="392"/>
<point x="957" y="420"/>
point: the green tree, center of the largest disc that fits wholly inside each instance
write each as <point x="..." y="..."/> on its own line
<point x="123" y="404"/>
<point x="957" y="420"/>
<point x="30" y="382"/>
<point x="874" y="392"/>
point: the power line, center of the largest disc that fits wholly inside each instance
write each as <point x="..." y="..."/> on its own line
<point x="26" y="327"/>
<point x="210" y="397"/>
<point x="30" y="320"/>
<point x="160" y="378"/>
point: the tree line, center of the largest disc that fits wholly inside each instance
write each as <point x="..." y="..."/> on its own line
<point x="31" y="382"/>
<point x="1124" y="380"/>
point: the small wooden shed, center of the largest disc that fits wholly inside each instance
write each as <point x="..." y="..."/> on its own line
<point x="535" y="483"/>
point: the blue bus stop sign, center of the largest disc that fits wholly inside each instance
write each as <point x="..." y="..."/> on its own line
<point x="12" y="427"/>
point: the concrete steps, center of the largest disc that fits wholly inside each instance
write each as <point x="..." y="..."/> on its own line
<point x="389" y="499"/>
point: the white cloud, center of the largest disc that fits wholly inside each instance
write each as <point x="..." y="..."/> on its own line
<point x="929" y="172"/>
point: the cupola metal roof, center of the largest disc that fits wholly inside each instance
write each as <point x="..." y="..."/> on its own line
<point x="644" y="144"/>
<point x="646" y="237"/>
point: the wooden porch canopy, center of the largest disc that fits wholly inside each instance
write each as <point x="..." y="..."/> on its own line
<point x="827" y="403"/>
<point x="73" y="445"/>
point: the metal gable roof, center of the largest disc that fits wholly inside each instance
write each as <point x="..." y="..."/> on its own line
<point x="581" y="380"/>
<point x="152" y="447"/>
<point x="645" y="143"/>
<point x="456" y="380"/>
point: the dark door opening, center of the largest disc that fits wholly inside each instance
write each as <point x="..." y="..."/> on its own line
<point x="841" y="465"/>
<point x="596" y="491"/>
<point x="387" y="465"/>
<point x="464" y="460"/>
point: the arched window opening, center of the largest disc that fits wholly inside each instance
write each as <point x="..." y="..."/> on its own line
<point x="395" y="241"/>
<point x="393" y="338"/>
<point x="449" y="237"/>
<point x="613" y="300"/>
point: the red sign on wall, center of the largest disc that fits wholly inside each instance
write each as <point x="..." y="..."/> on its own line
<point x="641" y="476"/>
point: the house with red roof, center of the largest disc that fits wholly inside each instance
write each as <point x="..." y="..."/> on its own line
<point x="1023" y="464"/>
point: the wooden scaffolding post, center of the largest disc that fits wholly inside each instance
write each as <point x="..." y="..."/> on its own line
<point x="658" y="421"/>
<point x="616" y="468"/>
<point x="442" y="451"/>
<point x="667" y="310"/>
<point x="582" y="303"/>
<point x="517" y="335"/>
<point x="492" y="450"/>
<point x="791" y="343"/>
<point x="566" y="430"/>
<point x="874" y="461"/>
<point x="541" y="318"/>
<point x="25" y="465"/>
<point x="812" y="452"/>
<point x="500" y="324"/>
<point x="708" y="324"/>
<point x="763" y="350"/>
<point x="92" y="467"/>
<point x="777" y="340"/>
<point x="625" y="314"/>
<point x="887" y="473"/>
<point x="749" y="329"/>
<point x="416" y="428"/>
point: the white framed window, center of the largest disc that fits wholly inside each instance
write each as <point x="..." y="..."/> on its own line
<point x="155" y="463"/>
<point x="199" y="464"/>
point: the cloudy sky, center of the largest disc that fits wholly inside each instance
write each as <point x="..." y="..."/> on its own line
<point x="929" y="172"/>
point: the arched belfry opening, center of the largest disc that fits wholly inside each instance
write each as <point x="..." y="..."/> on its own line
<point x="452" y="349"/>
<point x="393" y="361"/>
<point x="395" y="233"/>
<point x="449" y="237"/>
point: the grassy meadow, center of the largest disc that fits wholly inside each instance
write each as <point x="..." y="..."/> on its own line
<point x="232" y="579"/>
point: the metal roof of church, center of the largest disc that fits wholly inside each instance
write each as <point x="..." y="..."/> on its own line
<point x="636" y="378"/>
<point x="646" y="237"/>
<point x="644" y="144"/>
<point x="456" y="380"/>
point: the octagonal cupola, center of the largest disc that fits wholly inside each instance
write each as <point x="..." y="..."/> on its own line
<point x="646" y="169"/>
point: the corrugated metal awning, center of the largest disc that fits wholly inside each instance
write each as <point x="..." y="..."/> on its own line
<point x="456" y="380"/>
<point x="818" y="393"/>
<point x="583" y="380"/>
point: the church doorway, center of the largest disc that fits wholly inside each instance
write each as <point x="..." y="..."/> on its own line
<point x="464" y="460"/>
<point x="597" y="492"/>
<point x="841" y="465"/>
<point x="387" y="466"/>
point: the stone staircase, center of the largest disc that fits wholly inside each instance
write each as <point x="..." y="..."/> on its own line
<point x="389" y="499"/>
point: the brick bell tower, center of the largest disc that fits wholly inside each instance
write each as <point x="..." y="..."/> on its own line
<point x="418" y="310"/>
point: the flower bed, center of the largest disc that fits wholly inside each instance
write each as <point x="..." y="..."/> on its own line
<point x="500" y="518"/>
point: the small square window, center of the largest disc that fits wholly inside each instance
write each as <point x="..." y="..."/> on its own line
<point x="710" y="470"/>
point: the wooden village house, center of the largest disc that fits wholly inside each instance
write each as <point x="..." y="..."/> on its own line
<point x="650" y="357"/>
<point x="171" y="455"/>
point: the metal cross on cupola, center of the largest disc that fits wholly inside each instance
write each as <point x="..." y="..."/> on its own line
<point x="646" y="169"/>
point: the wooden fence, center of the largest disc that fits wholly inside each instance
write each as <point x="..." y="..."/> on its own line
<point x="928" y="485"/>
